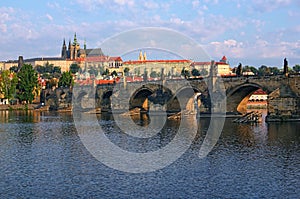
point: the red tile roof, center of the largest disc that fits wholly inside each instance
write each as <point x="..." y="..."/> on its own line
<point x="156" y="61"/>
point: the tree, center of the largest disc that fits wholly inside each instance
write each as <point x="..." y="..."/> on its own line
<point x="28" y="83"/>
<point x="8" y="84"/>
<point x="154" y="74"/>
<point x="14" y="69"/>
<point x="203" y="72"/>
<point x="40" y="69"/>
<point x="114" y="74"/>
<point x="263" y="70"/>
<point x="93" y="71"/>
<point x="185" y="73"/>
<point x="74" y="68"/>
<point x="49" y="68"/>
<point x="195" y="72"/>
<point x="274" y="70"/>
<point x="66" y="79"/>
<point x="126" y="71"/>
<point x="57" y="69"/>
<point x="106" y="72"/>
<point x="250" y="69"/>
<point x="296" y="68"/>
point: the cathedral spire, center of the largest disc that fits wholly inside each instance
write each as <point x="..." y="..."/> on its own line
<point x="75" y="39"/>
<point x="64" y="50"/>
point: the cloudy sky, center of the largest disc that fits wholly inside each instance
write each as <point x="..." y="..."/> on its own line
<point x="251" y="32"/>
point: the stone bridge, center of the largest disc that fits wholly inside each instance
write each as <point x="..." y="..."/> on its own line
<point x="283" y="91"/>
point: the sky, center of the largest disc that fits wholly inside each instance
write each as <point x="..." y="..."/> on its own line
<point x="257" y="32"/>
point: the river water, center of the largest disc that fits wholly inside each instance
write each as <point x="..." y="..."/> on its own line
<point x="42" y="156"/>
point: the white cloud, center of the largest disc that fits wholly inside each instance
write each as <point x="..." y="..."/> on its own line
<point x="124" y="2"/>
<point x="151" y="5"/>
<point x="49" y="17"/>
<point x="269" y="5"/>
<point x="5" y="17"/>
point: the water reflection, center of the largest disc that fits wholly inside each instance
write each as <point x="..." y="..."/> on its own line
<point x="41" y="156"/>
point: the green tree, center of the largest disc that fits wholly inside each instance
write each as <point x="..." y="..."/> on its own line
<point x="28" y="83"/>
<point x="66" y="79"/>
<point x="93" y="71"/>
<point x="195" y="72"/>
<point x="154" y="74"/>
<point x="40" y="69"/>
<point x="51" y="83"/>
<point x="264" y="70"/>
<point x="250" y="69"/>
<point x="185" y="73"/>
<point x="49" y="68"/>
<point x="14" y="69"/>
<point x="126" y="71"/>
<point x="296" y="68"/>
<point x="8" y="84"/>
<point x="204" y="72"/>
<point x="74" y="68"/>
<point x="114" y="74"/>
<point x="274" y="70"/>
<point x="106" y="72"/>
<point x="57" y="69"/>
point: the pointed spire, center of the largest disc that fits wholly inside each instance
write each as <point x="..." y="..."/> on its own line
<point x="64" y="43"/>
<point x="84" y="46"/>
<point x="69" y="44"/>
<point x="64" y="50"/>
<point x="141" y="58"/>
<point x="75" y="39"/>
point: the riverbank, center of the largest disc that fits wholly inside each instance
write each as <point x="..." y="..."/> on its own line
<point x="7" y="107"/>
<point x="23" y="107"/>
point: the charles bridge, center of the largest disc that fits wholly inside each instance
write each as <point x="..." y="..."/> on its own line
<point x="169" y="95"/>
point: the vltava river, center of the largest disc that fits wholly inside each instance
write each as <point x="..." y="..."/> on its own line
<point x="42" y="156"/>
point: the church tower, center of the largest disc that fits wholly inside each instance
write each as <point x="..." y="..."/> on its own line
<point x="69" y="50"/>
<point x="64" y="50"/>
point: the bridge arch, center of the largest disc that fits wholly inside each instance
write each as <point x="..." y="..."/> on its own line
<point x="139" y="99"/>
<point x="238" y="97"/>
<point x="187" y="98"/>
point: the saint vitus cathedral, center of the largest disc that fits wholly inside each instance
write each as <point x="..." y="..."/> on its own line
<point x="74" y="51"/>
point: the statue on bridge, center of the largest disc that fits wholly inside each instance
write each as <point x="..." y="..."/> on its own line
<point x="285" y="67"/>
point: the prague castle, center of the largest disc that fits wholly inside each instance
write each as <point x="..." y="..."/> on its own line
<point x="74" y="52"/>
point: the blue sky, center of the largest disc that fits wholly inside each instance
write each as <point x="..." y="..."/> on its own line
<point x="253" y="32"/>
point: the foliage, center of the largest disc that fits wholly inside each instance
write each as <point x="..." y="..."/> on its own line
<point x="93" y="71"/>
<point x="195" y="72"/>
<point x="74" y="68"/>
<point x="154" y="74"/>
<point x="274" y="71"/>
<point x="203" y="72"/>
<point x="8" y="84"/>
<point x="126" y="71"/>
<point x="57" y="69"/>
<point x="264" y="70"/>
<point x="51" y="83"/>
<point x="106" y="72"/>
<point x="14" y="69"/>
<point x="66" y="79"/>
<point x="28" y="82"/>
<point x="185" y="73"/>
<point x="49" y="71"/>
<point x="296" y="68"/>
<point x="114" y="74"/>
<point x="250" y="69"/>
